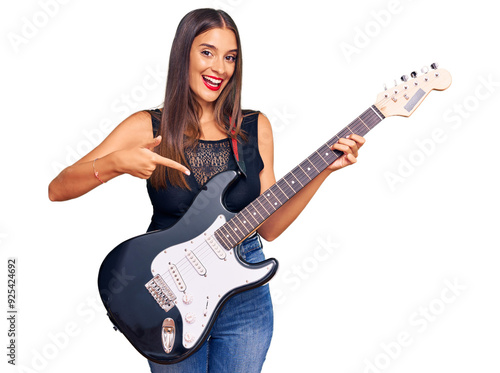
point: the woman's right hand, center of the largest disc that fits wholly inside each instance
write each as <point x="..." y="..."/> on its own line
<point x="142" y="161"/>
<point x="127" y="149"/>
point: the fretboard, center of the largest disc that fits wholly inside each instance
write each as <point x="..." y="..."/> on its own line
<point x="252" y="216"/>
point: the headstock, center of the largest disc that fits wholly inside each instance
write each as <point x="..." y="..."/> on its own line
<point x="403" y="99"/>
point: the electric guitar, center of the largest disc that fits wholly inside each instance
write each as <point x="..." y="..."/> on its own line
<point x="164" y="289"/>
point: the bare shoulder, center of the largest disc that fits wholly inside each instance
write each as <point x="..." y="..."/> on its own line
<point x="263" y="121"/>
<point x="266" y="146"/>
<point x="137" y="127"/>
<point x="265" y="131"/>
<point x="135" y="130"/>
<point x="266" y="151"/>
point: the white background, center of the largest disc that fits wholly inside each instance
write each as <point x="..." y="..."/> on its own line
<point x="367" y="264"/>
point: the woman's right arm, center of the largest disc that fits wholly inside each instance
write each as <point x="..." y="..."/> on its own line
<point x="127" y="149"/>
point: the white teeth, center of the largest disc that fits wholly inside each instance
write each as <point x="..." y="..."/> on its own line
<point x="212" y="80"/>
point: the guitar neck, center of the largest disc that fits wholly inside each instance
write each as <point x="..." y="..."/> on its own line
<point x="252" y="216"/>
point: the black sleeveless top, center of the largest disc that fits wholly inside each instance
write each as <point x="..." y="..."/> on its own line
<point x="207" y="159"/>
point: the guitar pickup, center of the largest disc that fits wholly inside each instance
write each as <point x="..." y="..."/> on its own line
<point x="193" y="259"/>
<point x="214" y="245"/>
<point x="176" y="276"/>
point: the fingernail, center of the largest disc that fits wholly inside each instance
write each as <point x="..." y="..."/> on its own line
<point x="187" y="172"/>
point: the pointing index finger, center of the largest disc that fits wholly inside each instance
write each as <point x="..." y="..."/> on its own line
<point x="158" y="159"/>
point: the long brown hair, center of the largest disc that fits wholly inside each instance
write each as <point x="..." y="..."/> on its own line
<point x="180" y="112"/>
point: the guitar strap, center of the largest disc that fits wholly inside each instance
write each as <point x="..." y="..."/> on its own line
<point x="238" y="151"/>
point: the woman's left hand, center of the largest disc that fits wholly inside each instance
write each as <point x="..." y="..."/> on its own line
<point x="350" y="147"/>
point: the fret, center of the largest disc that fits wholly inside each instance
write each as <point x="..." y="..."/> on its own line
<point x="283" y="191"/>
<point x="233" y="228"/>
<point x="221" y="239"/>
<point x="249" y="214"/>
<point x="257" y="211"/>
<point x="326" y="153"/>
<point x="291" y="183"/>
<point x="364" y="124"/>
<point x="296" y="178"/>
<point x="275" y="197"/>
<point x="240" y="231"/>
<point x="274" y="201"/>
<point x="301" y="176"/>
<point x="267" y="212"/>
<point x="279" y="192"/>
<point x="243" y="224"/>
<point x="267" y="197"/>
<point x="305" y="174"/>
<point x="323" y="159"/>
<point x="252" y="216"/>
<point x="226" y="232"/>
<point x="307" y="166"/>
<point x="317" y="162"/>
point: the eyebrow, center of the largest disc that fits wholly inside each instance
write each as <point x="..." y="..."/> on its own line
<point x="214" y="47"/>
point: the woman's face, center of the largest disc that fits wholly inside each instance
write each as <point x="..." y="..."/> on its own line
<point x="212" y="63"/>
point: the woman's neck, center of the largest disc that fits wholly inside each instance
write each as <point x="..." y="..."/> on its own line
<point x="208" y="125"/>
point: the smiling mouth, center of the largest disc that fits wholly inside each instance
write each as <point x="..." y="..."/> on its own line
<point x="212" y="82"/>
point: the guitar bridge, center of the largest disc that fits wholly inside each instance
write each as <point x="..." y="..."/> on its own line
<point x="160" y="291"/>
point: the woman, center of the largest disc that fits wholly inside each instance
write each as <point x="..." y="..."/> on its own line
<point x="177" y="149"/>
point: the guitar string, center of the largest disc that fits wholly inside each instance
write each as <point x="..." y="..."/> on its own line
<point x="185" y="268"/>
<point x="184" y="261"/>
<point x="360" y="125"/>
<point x="356" y="126"/>
<point x="188" y="275"/>
<point x="191" y="272"/>
<point x="180" y="265"/>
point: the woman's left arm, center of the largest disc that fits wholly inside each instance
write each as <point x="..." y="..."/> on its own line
<point x="278" y="222"/>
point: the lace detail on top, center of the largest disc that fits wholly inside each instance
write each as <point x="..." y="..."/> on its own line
<point x="208" y="158"/>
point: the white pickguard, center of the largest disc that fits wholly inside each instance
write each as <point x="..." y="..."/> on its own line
<point x="198" y="294"/>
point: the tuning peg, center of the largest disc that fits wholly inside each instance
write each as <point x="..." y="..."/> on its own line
<point x="434" y="65"/>
<point x="404" y="78"/>
<point x="385" y="87"/>
<point x="424" y="70"/>
<point x="413" y="74"/>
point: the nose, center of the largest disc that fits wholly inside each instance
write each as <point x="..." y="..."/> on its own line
<point x="218" y="65"/>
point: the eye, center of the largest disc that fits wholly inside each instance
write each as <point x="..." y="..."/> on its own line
<point x="231" y="58"/>
<point x="206" y="53"/>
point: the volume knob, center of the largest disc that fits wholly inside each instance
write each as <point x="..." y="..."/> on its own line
<point x="190" y="318"/>
<point x="187" y="298"/>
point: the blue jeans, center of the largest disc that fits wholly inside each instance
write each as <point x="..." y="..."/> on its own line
<point x="241" y="335"/>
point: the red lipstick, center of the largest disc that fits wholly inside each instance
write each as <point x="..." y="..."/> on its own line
<point x="212" y="82"/>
